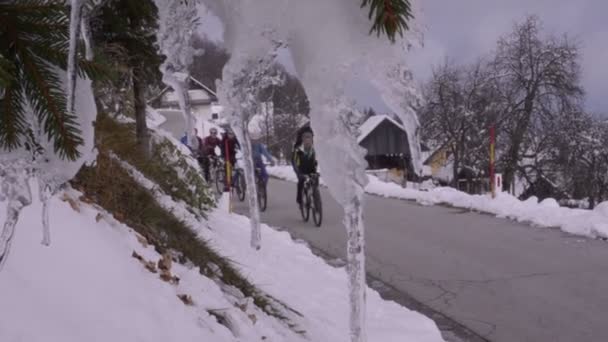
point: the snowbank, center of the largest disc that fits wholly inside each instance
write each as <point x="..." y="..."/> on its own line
<point x="87" y="286"/>
<point x="291" y="273"/>
<point x="590" y="223"/>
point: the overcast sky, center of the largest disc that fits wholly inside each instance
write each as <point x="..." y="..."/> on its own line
<point x="467" y="29"/>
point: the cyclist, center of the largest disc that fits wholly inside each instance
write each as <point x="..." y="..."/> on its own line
<point x="229" y="145"/>
<point x="304" y="161"/>
<point x="209" y="145"/>
<point x="259" y="150"/>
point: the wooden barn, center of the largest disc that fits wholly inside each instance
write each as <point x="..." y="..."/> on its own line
<point x="386" y="143"/>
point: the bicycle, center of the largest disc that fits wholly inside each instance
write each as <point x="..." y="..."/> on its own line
<point x="311" y="199"/>
<point x="238" y="181"/>
<point x="219" y="175"/>
<point x="262" y="191"/>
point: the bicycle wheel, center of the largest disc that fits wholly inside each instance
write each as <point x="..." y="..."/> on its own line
<point x="262" y="199"/>
<point x="241" y="187"/>
<point x="305" y="205"/>
<point x="219" y="180"/>
<point x="317" y="208"/>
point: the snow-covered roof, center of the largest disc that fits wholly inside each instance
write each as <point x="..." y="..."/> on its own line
<point x="204" y="93"/>
<point x="370" y="124"/>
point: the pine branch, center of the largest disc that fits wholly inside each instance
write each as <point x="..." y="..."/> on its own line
<point x="389" y="16"/>
<point x="12" y="114"/>
<point x="43" y="89"/>
<point x="7" y="72"/>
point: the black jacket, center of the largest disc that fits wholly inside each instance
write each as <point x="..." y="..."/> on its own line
<point x="304" y="163"/>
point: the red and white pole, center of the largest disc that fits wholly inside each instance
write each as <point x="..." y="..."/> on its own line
<point x="492" y="160"/>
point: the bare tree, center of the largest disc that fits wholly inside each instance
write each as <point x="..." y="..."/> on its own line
<point x="538" y="78"/>
<point x="458" y="110"/>
<point x="580" y="154"/>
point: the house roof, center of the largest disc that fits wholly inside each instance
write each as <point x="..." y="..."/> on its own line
<point x="374" y="121"/>
<point x="212" y="94"/>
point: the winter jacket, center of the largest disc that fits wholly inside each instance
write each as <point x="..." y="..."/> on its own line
<point x="209" y="145"/>
<point x="257" y="151"/>
<point x="304" y="162"/>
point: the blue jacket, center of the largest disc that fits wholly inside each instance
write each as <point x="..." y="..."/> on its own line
<point x="257" y="151"/>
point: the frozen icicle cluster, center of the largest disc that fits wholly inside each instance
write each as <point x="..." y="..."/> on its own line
<point x="324" y="62"/>
<point x="177" y="21"/>
<point x="15" y="190"/>
<point x="244" y="78"/>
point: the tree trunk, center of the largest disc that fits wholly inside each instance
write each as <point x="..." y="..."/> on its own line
<point x="455" y="170"/>
<point x="521" y="128"/>
<point x="141" y="127"/>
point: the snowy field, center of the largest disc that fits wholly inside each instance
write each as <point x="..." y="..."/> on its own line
<point x="547" y="213"/>
<point x="87" y="286"/>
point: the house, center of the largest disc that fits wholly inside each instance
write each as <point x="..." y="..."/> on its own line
<point x="439" y="164"/>
<point x="386" y="143"/>
<point x="203" y="104"/>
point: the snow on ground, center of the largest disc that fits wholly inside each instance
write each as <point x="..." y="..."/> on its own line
<point x="547" y="213"/>
<point x="291" y="273"/>
<point x="87" y="286"/>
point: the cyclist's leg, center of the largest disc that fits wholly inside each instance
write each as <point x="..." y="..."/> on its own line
<point x="206" y="163"/>
<point x="300" y="188"/>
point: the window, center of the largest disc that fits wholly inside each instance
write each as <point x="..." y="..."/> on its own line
<point x="215" y="116"/>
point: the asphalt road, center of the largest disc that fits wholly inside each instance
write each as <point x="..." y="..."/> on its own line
<point x="508" y="282"/>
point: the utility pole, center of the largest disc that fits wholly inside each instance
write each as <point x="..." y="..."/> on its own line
<point x="492" y="158"/>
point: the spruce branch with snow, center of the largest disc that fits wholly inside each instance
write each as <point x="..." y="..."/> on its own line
<point x="33" y="45"/>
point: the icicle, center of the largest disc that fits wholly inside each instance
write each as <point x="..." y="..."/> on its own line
<point x="179" y="82"/>
<point x="16" y="189"/>
<point x="177" y="22"/>
<point x="46" y="194"/>
<point x="252" y="191"/>
<point x="75" y="16"/>
<point x="86" y="34"/>
<point x="353" y="220"/>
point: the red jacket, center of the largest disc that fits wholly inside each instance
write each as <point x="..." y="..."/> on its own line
<point x="209" y="145"/>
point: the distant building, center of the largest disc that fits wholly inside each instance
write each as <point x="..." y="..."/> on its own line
<point x="203" y="102"/>
<point x="386" y="143"/>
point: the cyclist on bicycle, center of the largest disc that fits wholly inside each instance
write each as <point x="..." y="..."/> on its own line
<point x="229" y="145"/>
<point x="259" y="150"/>
<point x="304" y="160"/>
<point x="210" y="143"/>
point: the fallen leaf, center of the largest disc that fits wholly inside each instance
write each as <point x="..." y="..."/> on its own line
<point x="142" y="239"/>
<point x="137" y="256"/>
<point x="151" y="266"/>
<point x="186" y="299"/>
<point x="165" y="262"/>
<point x="86" y="199"/>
